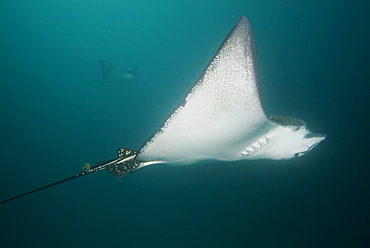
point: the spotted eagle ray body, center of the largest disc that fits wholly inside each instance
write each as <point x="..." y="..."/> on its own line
<point x="222" y="116"/>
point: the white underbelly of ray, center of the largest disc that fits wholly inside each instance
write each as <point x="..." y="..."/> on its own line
<point x="225" y="139"/>
<point x="222" y="116"/>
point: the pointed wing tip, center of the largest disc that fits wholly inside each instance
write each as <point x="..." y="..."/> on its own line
<point x="244" y="22"/>
<point x="243" y="19"/>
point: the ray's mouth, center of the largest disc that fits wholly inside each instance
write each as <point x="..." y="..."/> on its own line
<point x="300" y="154"/>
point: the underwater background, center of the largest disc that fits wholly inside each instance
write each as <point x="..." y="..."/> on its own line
<point x="57" y="114"/>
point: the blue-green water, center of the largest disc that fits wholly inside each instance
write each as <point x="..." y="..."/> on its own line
<point x="314" y="60"/>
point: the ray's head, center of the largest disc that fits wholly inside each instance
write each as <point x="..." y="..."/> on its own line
<point x="292" y="138"/>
